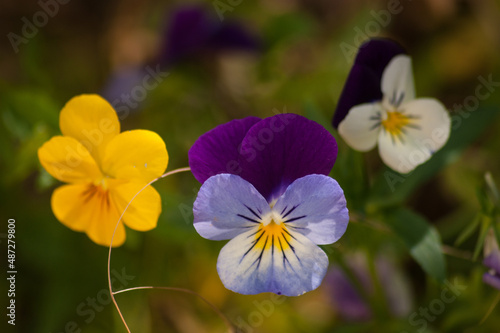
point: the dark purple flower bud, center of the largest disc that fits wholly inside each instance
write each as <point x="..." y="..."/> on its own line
<point x="363" y="85"/>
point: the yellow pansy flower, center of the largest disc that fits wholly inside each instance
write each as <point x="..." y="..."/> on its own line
<point x="104" y="169"/>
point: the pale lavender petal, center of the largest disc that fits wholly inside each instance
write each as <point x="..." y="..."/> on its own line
<point x="314" y="206"/>
<point x="227" y="206"/>
<point x="493" y="261"/>
<point x="492" y="280"/>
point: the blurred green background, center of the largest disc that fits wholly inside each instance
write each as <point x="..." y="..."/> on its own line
<point x="307" y="49"/>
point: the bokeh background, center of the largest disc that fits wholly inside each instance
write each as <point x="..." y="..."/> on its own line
<point x="271" y="56"/>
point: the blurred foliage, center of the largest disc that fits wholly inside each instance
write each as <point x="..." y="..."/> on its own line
<point x="433" y="221"/>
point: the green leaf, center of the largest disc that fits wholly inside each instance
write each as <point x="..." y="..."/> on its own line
<point x="288" y="26"/>
<point x="468" y="231"/>
<point x="421" y="239"/>
<point x="496" y="231"/>
<point x="391" y="188"/>
<point x="485" y="226"/>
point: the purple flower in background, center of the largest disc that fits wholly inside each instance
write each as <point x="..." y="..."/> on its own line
<point x="193" y="30"/>
<point x="265" y="187"/>
<point x="363" y="83"/>
<point x="347" y="299"/>
<point x="492" y="277"/>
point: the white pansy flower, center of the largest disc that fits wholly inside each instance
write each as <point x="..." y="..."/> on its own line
<point x="407" y="130"/>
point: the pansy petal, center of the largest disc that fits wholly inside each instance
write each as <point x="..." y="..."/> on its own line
<point x="85" y="207"/>
<point x="430" y="123"/>
<point x="138" y="154"/>
<point x="227" y="206"/>
<point x="68" y="160"/>
<point x="280" y="149"/>
<point x="285" y="264"/>
<point x="314" y="206"/>
<point x="401" y="154"/>
<point x="216" y="151"/>
<point x="233" y="36"/>
<point x="493" y="261"/>
<point x="144" y="210"/>
<point x="364" y="80"/>
<point x="91" y="120"/>
<point x="427" y="131"/>
<point x="397" y="81"/>
<point x="188" y="31"/>
<point x="361" y="127"/>
<point x="492" y="280"/>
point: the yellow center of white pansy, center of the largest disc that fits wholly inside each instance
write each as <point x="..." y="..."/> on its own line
<point x="395" y="122"/>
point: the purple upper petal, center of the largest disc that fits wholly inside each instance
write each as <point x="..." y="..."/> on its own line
<point x="280" y="149"/>
<point x="269" y="153"/>
<point x="216" y="151"/>
<point x="363" y="85"/>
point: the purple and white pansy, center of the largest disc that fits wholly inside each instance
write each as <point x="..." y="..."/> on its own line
<point x="265" y="186"/>
<point x="408" y="131"/>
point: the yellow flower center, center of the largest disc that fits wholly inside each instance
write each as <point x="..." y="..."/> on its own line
<point x="102" y="183"/>
<point x="395" y="122"/>
<point x="274" y="234"/>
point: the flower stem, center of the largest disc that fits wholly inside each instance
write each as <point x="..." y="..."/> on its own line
<point x="113" y="293"/>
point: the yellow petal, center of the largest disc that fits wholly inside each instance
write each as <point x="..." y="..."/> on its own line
<point x="68" y="160"/>
<point x="139" y="155"/>
<point x="91" y="120"/>
<point x="143" y="212"/>
<point x="88" y="208"/>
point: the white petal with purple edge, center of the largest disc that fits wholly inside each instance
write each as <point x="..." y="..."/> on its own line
<point x="314" y="206"/>
<point x="226" y="206"/>
<point x="397" y="81"/>
<point x="361" y="126"/>
<point x="271" y="260"/>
